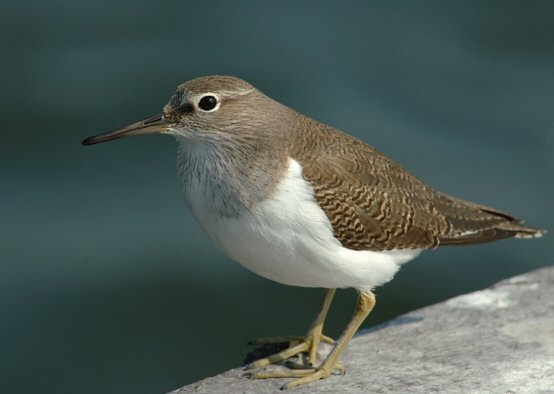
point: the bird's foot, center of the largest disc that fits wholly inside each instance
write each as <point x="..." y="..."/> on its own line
<point x="295" y="346"/>
<point x="303" y="376"/>
<point x="304" y="370"/>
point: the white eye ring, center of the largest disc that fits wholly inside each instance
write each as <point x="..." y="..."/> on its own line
<point x="209" y="102"/>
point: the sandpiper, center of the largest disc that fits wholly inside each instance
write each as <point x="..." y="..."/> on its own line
<point x="305" y="204"/>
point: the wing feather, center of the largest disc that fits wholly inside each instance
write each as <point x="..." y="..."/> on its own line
<point x="375" y="204"/>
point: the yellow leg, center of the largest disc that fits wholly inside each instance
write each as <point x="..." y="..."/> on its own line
<point x="298" y="344"/>
<point x="366" y="302"/>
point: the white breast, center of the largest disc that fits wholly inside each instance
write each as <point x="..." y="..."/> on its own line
<point x="289" y="239"/>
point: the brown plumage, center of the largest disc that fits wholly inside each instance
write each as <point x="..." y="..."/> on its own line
<point x="372" y="202"/>
<point x="375" y="204"/>
<point x="235" y="150"/>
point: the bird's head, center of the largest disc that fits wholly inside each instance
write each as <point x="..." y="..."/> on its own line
<point x="212" y="108"/>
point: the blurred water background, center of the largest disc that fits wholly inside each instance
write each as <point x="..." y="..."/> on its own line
<point x="106" y="283"/>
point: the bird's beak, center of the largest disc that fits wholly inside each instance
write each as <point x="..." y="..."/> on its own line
<point x="153" y="124"/>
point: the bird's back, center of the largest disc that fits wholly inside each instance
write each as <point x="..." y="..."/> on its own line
<point x="375" y="204"/>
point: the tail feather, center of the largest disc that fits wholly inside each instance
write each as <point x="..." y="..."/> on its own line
<point x="517" y="229"/>
<point x="505" y="230"/>
<point x="481" y="224"/>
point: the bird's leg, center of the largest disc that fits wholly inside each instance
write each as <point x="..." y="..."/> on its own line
<point x="298" y="344"/>
<point x="366" y="302"/>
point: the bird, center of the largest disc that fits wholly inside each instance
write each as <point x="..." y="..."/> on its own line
<point x="305" y="204"/>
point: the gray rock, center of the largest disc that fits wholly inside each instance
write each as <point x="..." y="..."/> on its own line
<point x="497" y="340"/>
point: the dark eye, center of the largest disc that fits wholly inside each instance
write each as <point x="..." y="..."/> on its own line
<point x="207" y="103"/>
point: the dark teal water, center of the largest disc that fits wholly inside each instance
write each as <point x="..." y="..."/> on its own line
<point x="107" y="284"/>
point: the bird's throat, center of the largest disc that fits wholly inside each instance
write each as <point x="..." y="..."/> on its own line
<point x="226" y="182"/>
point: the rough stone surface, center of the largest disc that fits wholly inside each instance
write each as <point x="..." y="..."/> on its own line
<point x="497" y="340"/>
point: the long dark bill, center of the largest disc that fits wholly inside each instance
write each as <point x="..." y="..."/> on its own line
<point x="153" y="124"/>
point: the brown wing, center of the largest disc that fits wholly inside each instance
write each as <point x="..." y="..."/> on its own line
<point x="374" y="204"/>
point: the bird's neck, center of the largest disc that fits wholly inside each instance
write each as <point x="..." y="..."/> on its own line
<point x="225" y="179"/>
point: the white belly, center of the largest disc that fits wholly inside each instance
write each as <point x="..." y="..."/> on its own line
<point x="289" y="239"/>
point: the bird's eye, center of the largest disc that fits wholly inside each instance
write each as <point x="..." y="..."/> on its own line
<point x="207" y="103"/>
